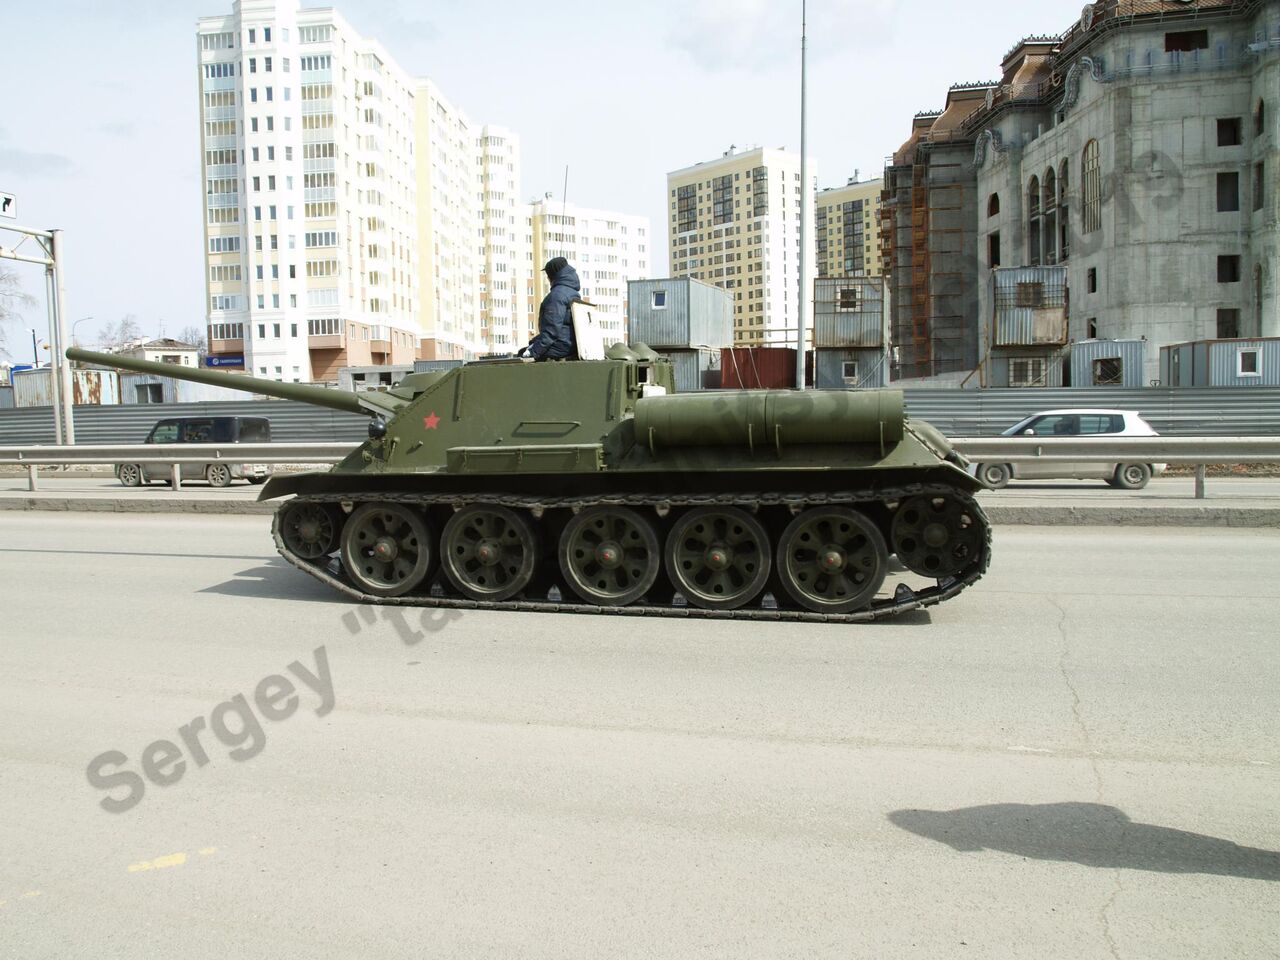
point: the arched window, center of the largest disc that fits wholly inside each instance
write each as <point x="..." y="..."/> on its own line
<point x="993" y="205"/>
<point x="1260" y="119"/>
<point x="1064" y="217"/>
<point x="1091" y="176"/>
<point x="1033" y="222"/>
<point x="1049" y="206"/>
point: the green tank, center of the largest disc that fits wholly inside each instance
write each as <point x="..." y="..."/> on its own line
<point x="593" y="485"/>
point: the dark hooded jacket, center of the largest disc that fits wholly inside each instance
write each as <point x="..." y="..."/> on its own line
<point x="555" y="325"/>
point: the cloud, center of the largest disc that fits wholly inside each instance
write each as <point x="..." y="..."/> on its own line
<point x="29" y="164"/>
<point x="120" y="128"/>
<point x="735" y="34"/>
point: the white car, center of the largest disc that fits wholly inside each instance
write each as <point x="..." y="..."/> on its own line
<point x="1075" y="423"/>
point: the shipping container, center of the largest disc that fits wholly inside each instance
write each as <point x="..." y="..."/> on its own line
<point x="146" y="388"/>
<point x="1030" y="306"/>
<point x="851" y="368"/>
<point x="758" y="368"/>
<point x="1025" y="367"/>
<point x="34" y="388"/>
<point x="1107" y="363"/>
<point x="1221" y="363"/>
<point x="679" y="312"/>
<point x="695" y="369"/>
<point x="435" y="366"/>
<point x="372" y="378"/>
<point x="848" y="312"/>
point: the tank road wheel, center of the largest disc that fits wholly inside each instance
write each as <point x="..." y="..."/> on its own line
<point x="718" y="557"/>
<point x="936" y="536"/>
<point x="832" y="560"/>
<point x="488" y="552"/>
<point x="386" y="549"/>
<point x="309" y="530"/>
<point x="609" y="556"/>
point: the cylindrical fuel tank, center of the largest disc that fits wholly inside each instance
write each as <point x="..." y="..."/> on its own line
<point x="770" y="418"/>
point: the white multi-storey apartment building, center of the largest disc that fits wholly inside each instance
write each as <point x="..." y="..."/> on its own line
<point x="310" y="193"/>
<point x="606" y="248"/>
<point x="502" y="236"/>
<point x="735" y="222"/>
<point x="448" y="211"/>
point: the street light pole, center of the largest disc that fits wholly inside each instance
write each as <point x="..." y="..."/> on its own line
<point x="804" y="202"/>
<point x="60" y="334"/>
<point x="74" y="341"/>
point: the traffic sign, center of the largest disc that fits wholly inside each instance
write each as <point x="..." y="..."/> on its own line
<point x="8" y="206"/>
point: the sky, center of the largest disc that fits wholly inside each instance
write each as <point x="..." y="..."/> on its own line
<point x="99" y="127"/>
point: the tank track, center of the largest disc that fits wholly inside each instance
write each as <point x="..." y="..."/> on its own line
<point x="903" y="600"/>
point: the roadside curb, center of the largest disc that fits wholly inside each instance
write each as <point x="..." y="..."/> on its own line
<point x="1111" y="516"/>
<point x="1191" y="515"/>
<point x="136" y="505"/>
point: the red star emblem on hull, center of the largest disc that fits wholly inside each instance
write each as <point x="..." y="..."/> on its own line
<point x="431" y="421"/>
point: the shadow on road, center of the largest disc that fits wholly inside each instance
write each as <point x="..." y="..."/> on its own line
<point x="1091" y="834"/>
<point x="275" y="580"/>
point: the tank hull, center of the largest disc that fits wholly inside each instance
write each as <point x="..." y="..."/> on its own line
<point x="592" y="486"/>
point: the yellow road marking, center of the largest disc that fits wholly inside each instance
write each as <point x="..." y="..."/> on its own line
<point x="159" y="863"/>
<point x="208" y="850"/>
<point x="31" y="893"/>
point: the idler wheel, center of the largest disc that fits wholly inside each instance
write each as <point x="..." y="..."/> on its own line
<point x="609" y="555"/>
<point x="488" y="552"/>
<point x="936" y="536"/>
<point x="386" y="549"/>
<point x="718" y="557"/>
<point x="832" y="560"/>
<point x="309" y="530"/>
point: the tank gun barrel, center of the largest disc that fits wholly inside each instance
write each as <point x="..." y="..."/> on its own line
<point x="370" y="403"/>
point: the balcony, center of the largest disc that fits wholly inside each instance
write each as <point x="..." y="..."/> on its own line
<point x="218" y="347"/>
<point x="327" y="334"/>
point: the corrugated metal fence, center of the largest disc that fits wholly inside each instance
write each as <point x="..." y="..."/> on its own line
<point x="1204" y="412"/>
<point x="291" y="422"/>
<point x="1207" y="411"/>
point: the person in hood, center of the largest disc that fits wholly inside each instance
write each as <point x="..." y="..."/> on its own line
<point x="555" y="339"/>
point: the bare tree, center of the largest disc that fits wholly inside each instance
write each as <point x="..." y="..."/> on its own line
<point x="12" y="298"/>
<point x="196" y="337"/>
<point x="115" y="336"/>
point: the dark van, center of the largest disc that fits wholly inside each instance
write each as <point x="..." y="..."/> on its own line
<point x="203" y="430"/>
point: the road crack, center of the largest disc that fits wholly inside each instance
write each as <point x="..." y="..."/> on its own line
<point x="1104" y="918"/>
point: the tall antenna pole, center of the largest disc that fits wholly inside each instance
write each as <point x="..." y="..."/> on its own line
<point x="564" y="206"/>
<point x="804" y="202"/>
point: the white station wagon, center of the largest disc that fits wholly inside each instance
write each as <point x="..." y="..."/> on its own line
<point x="1075" y="423"/>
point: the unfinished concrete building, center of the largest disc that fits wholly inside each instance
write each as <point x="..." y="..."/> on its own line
<point x="1136" y="151"/>
<point x="929" y="219"/>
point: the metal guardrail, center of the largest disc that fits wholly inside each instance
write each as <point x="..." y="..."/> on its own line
<point x="1197" y="451"/>
<point x="1189" y="450"/>
<point x="174" y="454"/>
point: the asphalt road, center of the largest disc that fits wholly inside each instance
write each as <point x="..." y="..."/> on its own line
<point x="1079" y="757"/>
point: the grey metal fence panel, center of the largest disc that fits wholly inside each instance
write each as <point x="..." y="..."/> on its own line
<point x="290" y="421"/>
<point x="1189" y="411"/>
<point x="1194" y="411"/>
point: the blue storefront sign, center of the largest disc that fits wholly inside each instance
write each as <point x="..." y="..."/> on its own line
<point x="225" y="360"/>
